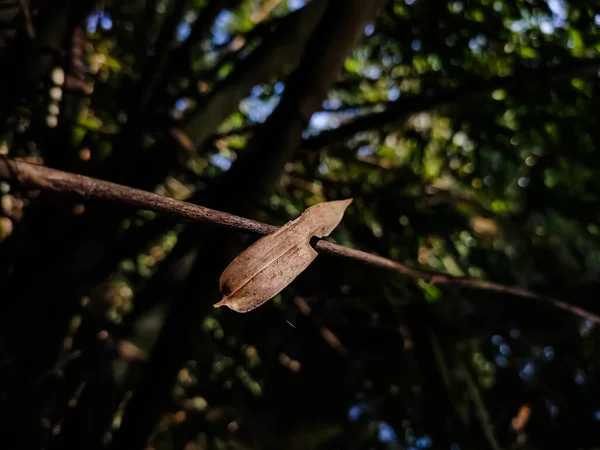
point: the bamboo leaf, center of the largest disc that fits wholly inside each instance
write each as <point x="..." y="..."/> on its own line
<point x="270" y="264"/>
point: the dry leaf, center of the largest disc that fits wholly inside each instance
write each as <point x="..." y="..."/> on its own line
<point x="266" y="267"/>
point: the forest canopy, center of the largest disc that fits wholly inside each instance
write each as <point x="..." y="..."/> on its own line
<point x="465" y="133"/>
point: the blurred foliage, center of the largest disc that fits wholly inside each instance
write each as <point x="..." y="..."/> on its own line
<point x="464" y="130"/>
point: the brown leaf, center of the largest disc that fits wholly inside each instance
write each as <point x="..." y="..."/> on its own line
<point x="266" y="267"/>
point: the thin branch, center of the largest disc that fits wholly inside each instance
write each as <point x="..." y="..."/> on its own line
<point x="39" y="177"/>
<point x="281" y="50"/>
<point x="482" y="415"/>
<point x="473" y="91"/>
<point x="155" y="67"/>
<point x="24" y="4"/>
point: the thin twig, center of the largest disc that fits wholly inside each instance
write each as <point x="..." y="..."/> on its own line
<point x="24" y="4"/>
<point x="39" y="177"/>
<point x="482" y="413"/>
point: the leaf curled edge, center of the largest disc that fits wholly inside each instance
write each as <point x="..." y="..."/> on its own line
<point x="270" y="264"/>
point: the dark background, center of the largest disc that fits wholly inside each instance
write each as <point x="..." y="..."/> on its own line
<point x="465" y="131"/>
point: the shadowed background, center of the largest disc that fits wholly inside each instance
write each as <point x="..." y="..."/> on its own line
<point x="465" y="131"/>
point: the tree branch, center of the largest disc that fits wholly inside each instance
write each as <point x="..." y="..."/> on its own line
<point x="39" y="177"/>
<point x="473" y="91"/>
<point x="280" y="52"/>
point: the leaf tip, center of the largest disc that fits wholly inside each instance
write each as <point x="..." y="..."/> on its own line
<point x="221" y="303"/>
<point x="343" y="204"/>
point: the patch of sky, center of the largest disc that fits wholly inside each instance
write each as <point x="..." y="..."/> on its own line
<point x="558" y="19"/>
<point x="520" y="25"/>
<point x="349" y="113"/>
<point x="547" y="24"/>
<point x="424" y="442"/>
<point x="559" y="12"/>
<point x="220" y="161"/>
<point x="501" y="361"/>
<point x="386" y="434"/>
<point x="184" y="30"/>
<point x="369" y="29"/>
<point x="580" y="377"/>
<point x="323" y="120"/>
<point x="106" y="22"/>
<point x="365" y="150"/>
<point x="92" y="21"/>
<point x="372" y="72"/>
<point x="220" y="34"/>
<point x="181" y="104"/>
<point x="332" y="103"/>
<point x="256" y="91"/>
<point x="549" y="353"/>
<point x="356" y="411"/>
<point x="527" y="372"/>
<point x="477" y="43"/>
<point x="457" y="7"/>
<point x="393" y="94"/>
<point x="258" y="110"/>
<point x="99" y="18"/>
<point x="294" y="5"/>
